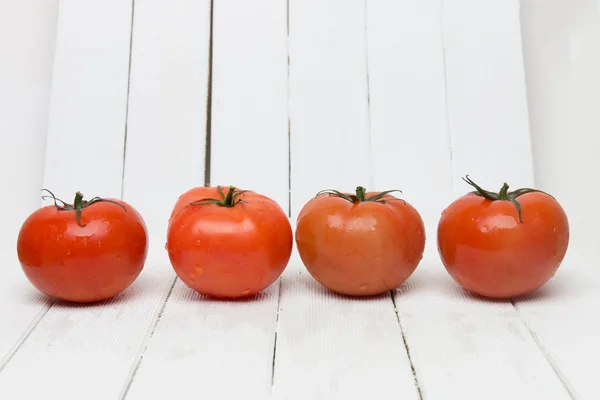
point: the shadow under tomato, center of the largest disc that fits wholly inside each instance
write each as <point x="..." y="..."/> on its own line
<point x="119" y="299"/>
<point x="186" y="293"/>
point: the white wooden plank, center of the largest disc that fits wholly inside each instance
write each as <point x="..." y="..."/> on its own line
<point x="24" y="99"/>
<point x="25" y="77"/>
<point x="409" y="125"/>
<point x="201" y="343"/>
<point x="93" y="351"/>
<point x="330" y="346"/>
<point x="488" y="96"/>
<point x="461" y="346"/>
<point x="249" y="97"/>
<point x="487" y="99"/>
<point x="88" y="105"/>
<point x="563" y="317"/>
<point x="335" y="347"/>
<point x="329" y="121"/>
<point x="81" y="92"/>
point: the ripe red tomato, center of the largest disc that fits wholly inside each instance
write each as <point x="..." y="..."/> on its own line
<point x="360" y="244"/>
<point x="504" y="244"/>
<point x="228" y="245"/>
<point x="85" y="252"/>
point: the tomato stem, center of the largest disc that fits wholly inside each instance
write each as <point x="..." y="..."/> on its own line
<point x="78" y="204"/>
<point x="228" y="200"/>
<point x="503" y="194"/>
<point x="361" y="195"/>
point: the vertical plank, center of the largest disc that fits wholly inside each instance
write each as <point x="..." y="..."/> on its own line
<point x="86" y="127"/>
<point x="330" y="346"/>
<point x="25" y="77"/>
<point x="329" y="119"/>
<point x="455" y="339"/>
<point x="249" y="98"/>
<point x="487" y="101"/>
<point x="165" y="157"/>
<point x="74" y="345"/>
<point x="86" y="132"/>
<point x="409" y="124"/>
<point x="200" y="343"/>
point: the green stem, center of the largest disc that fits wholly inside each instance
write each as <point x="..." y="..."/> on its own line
<point x="503" y="194"/>
<point x="361" y="195"/>
<point x="231" y="199"/>
<point x="78" y="204"/>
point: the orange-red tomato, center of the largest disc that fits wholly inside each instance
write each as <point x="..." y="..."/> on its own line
<point x="360" y="244"/>
<point x="505" y="244"/>
<point x="85" y="252"/>
<point x="228" y="245"/>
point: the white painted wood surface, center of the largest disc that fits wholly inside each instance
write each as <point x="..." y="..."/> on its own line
<point x="409" y="95"/>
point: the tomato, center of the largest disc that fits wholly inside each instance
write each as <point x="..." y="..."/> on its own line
<point x="505" y="244"/>
<point x="228" y="245"/>
<point x="85" y="252"/>
<point x="360" y="244"/>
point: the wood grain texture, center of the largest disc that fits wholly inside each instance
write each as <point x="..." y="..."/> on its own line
<point x="200" y="343"/>
<point x="86" y="119"/>
<point x="487" y="102"/>
<point x="93" y="351"/>
<point x="409" y="125"/>
<point x="461" y="346"/>
<point x="329" y="121"/>
<point x="249" y="97"/>
<point x="88" y="104"/>
<point x="337" y="347"/>
<point x="330" y="346"/>
<point x="27" y="39"/>
<point x="563" y="319"/>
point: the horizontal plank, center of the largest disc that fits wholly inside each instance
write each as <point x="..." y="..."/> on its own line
<point x="331" y="346"/>
<point x="200" y="344"/>
<point x="467" y="347"/>
<point x="563" y="318"/>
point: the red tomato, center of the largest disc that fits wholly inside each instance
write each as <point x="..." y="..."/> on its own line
<point x="228" y="246"/>
<point x="85" y="252"/>
<point x="360" y="244"/>
<point x="504" y="244"/>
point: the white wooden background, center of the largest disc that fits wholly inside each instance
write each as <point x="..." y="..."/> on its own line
<point x="288" y="97"/>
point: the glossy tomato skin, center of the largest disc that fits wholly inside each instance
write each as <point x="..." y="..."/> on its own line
<point x="360" y="249"/>
<point x="228" y="252"/>
<point x="489" y="252"/>
<point x="87" y="263"/>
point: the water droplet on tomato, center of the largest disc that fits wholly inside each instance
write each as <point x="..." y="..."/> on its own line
<point x="245" y="292"/>
<point x="199" y="269"/>
<point x="192" y="277"/>
<point x="68" y="252"/>
<point x="167" y="246"/>
<point x="363" y="287"/>
<point x="198" y="242"/>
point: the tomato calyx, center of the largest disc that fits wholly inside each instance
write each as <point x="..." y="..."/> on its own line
<point x="231" y="199"/>
<point x="361" y="195"/>
<point x="503" y="194"/>
<point x="78" y="204"/>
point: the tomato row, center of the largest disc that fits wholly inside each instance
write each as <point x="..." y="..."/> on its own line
<point x="232" y="243"/>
